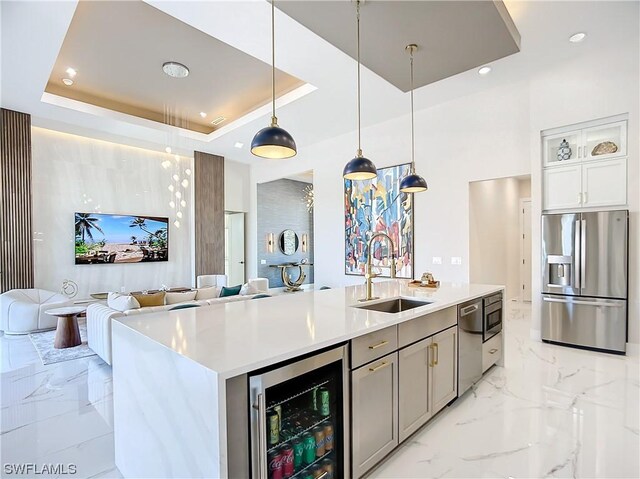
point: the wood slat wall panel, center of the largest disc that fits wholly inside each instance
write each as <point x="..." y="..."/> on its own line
<point x="16" y="232"/>
<point x="209" y="213"/>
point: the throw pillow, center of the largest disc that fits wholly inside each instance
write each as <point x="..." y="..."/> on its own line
<point x="230" y="291"/>
<point x="153" y="299"/>
<point x="175" y="298"/>
<point x="207" y="293"/>
<point x="248" y="289"/>
<point x="122" y="302"/>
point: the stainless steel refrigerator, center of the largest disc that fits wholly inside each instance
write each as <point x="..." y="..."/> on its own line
<point x="584" y="279"/>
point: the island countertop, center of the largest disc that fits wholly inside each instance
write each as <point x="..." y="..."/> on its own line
<point x="235" y="338"/>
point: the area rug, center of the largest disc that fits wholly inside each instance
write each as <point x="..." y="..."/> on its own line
<point x="43" y="343"/>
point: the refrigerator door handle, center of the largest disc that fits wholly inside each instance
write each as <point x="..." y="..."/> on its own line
<point x="584" y="303"/>
<point x="583" y="253"/>
<point x="262" y="437"/>
<point x="576" y="255"/>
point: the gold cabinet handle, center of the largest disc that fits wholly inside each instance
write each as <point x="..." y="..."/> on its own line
<point x="436" y="355"/>
<point x="379" y="345"/>
<point x="493" y="351"/>
<point x="379" y="367"/>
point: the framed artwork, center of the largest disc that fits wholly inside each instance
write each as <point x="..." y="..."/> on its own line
<point x="378" y="206"/>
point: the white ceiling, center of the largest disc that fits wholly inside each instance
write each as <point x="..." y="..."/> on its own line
<point x="28" y="59"/>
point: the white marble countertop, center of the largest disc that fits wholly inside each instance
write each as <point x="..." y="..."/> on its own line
<point x="235" y="338"/>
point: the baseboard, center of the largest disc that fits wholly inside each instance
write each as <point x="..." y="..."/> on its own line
<point x="535" y="335"/>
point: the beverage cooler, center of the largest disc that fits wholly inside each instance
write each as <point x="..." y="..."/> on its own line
<point x="299" y="419"/>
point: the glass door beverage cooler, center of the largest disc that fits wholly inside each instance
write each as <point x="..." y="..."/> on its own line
<point x="300" y="417"/>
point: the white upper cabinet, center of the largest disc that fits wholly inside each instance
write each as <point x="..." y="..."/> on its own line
<point x="585" y="167"/>
<point x="562" y="187"/>
<point x="562" y="148"/>
<point x="605" y="141"/>
<point x="604" y="183"/>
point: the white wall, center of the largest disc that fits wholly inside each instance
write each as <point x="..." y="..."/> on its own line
<point x="117" y="179"/>
<point x="491" y="134"/>
<point x="236" y="186"/>
<point x="494" y="232"/>
<point x="479" y="137"/>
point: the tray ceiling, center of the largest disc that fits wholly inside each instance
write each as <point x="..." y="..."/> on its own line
<point x="118" y="49"/>
<point x="452" y="36"/>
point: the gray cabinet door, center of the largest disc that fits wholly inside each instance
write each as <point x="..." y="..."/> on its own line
<point x="374" y="406"/>
<point x="444" y="362"/>
<point x="413" y="388"/>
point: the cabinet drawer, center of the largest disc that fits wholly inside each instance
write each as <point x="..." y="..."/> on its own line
<point x="491" y="352"/>
<point x="424" y="326"/>
<point x="373" y="346"/>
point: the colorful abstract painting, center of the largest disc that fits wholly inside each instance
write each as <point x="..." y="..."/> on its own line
<point x="378" y="206"/>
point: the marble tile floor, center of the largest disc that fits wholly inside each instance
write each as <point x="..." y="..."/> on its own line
<point x="552" y="412"/>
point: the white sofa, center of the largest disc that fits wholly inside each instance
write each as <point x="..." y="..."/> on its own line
<point x="23" y="311"/>
<point x="99" y="316"/>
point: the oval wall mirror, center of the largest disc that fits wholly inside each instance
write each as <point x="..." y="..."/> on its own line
<point x="289" y="242"/>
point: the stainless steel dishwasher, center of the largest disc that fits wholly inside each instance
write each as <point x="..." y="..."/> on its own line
<point x="470" y="321"/>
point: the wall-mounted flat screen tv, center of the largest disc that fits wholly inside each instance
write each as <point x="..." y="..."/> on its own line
<point x="109" y="239"/>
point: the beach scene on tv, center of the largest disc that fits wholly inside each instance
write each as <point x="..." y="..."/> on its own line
<point x="104" y="239"/>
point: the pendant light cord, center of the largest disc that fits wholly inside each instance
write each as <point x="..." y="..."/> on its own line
<point x="358" y="54"/>
<point x="274" y="120"/>
<point x="413" y="142"/>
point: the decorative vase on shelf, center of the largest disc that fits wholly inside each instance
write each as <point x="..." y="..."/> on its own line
<point x="564" y="151"/>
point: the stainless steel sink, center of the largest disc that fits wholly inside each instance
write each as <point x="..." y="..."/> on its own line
<point x="394" y="305"/>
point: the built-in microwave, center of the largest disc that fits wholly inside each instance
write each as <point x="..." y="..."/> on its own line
<point x="492" y="317"/>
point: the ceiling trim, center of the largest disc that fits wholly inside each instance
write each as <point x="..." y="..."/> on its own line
<point x="264" y="110"/>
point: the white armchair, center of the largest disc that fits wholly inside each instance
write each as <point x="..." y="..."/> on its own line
<point x="23" y="311"/>
<point x="207" y="280"/>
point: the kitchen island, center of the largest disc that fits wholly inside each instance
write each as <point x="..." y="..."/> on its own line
<point x="179" y="376"/>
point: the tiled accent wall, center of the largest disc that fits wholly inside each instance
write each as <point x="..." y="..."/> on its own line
<point x="281" y="206"/>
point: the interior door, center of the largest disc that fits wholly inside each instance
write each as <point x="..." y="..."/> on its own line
<point x="604" y="254"/>
<point x="234" y="246"/>
<point x="525" y="267"/>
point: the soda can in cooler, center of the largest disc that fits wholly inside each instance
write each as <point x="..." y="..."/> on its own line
<point x="318" y="434"/>
<point x="278" y="409"/>
<point x="273" y="428"/>
<point x="327" y="466"/>
<point x="314" y="399"/>
<point x="316" y="471"/>
<point x="287" y="461"/>
<point x="328" y="436"/>
<point x="274" y="464"/>
<point x="309" y="443"/>
<point x="324" y="402"/>
<point x="298" y="454"/>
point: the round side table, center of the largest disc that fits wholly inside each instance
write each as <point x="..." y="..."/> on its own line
<point x="67" y="332"/>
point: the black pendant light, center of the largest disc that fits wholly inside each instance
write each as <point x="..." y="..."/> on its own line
<point x="273" y="142"/>
<point x="412" y="183"/>
<point x="359" y="168"/>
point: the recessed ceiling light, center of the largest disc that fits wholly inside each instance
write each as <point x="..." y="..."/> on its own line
<point x="71" y="72"/>
<point x="484" y="70"/>
<point x="238" y="144"/>
<point x="67" y="81"/>
<point x="218" y="120"/>
<point x="203" y="114"/>
<point x="175" y="69"/>
<point x="577" y="37"/>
